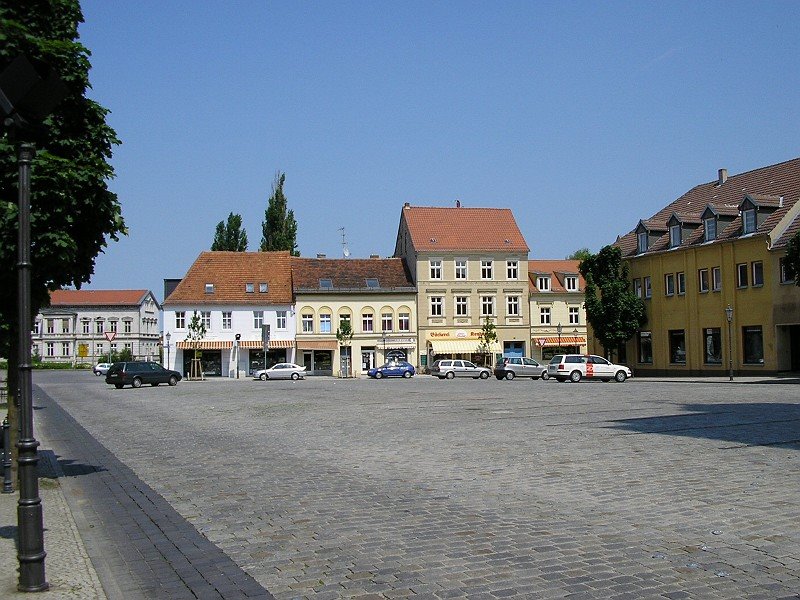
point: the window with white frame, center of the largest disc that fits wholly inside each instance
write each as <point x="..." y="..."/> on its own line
<point x="98" y="348"/>
<point x="642" y="241"/>
<point x="702" y="280"/>
<point x="280" y="318"/>
<point x="543" y="283"/>
<point x="758" y="273"/>
<point x="574" y="315"/>
<point x="64" y="325"/>
<point x="51" y="326"/>
<point x="571" y="283"/>
<point x="98" y="326"/>
<point x="749" y="220"/>
<point x="180" y="319"/>
<point x="112" y="326"/>
<point x="50" y="349"/>
<point x="127" y="326"/>
<point x="307" y="322"/>
<point x="716" y="279"/>
<point x="741" y="275"/>
<point x="487" y="306"/>
<point x="544" y="315"/>
<point x="325" y="323"/>
<point x="487" y="269"/>
<point x="436" y="268"/>
<point x="512" y="306"/>
<point x="637" y="287"/>
<point x="404" y="321"/>
<point x="710" y="227"/>
<point x="462" y="306"/>
<point x="65" y="349"/>
<point x="113" y="346"/>
<point x="387" y="321"/>
<point x="86" y="326"/>
<point x="209" y="288"/>
<point x="258" y="319"/>
<point x="227" y="319"/>
<point x="205" y="318"/>
<point x="512" y="269"/>
<point x="648" y="287"/>
<point x="681" y="277"/>
<point x="249" y="288"/>
<point x="344" y="318"/>
<point x="436" y="306"/>
<point x="674" y="236"/>
<point x="787" y="275"/>
<point x="367" y="322"/>
<point x="461" y="268"/>
<point x="263" y="288"/>
<point x="669" y="284"/>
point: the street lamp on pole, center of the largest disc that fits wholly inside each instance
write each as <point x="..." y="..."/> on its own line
<point x="559" y="329"/>
<point x="729" y="316"/>
<point x="167" y="338"/>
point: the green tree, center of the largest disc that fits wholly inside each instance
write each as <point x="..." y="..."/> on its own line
<point x="344" y="333"/>
<point x="279" y="229"/>
<point x="581" y="254"/>
<point x="230" y="235"/>
<point x="487" y="336"/>
<point x="793" y="258"/>
<point x="613" y="310"/>
<point x="73" y="213"/>
<point x="195" y="332"/>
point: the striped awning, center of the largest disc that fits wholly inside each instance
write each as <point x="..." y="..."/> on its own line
<point x="462" y="347"/>
<point x="564" y="340"/>
<point x="273" y="344"/>
<point x="317" y="344"/>
<point x="205" y="345"/>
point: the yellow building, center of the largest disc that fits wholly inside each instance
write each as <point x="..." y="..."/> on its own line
<point x="468" y="264"/>
<point x="710" y="269"/>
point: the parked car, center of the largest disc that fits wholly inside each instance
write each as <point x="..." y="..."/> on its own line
<point x="448" y="369"/>
<point x="393" y="368"/>
<point x="100" y="368"/>
<point x="282" y="371"/>
<point x="136" y="373"/>
<point x="510" y="367"/>
<point x="578" y="366"/>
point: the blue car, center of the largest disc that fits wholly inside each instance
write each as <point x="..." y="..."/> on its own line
<point x="392" y="369"/>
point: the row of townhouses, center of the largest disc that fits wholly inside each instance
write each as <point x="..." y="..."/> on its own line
<point x="452" y="269"/>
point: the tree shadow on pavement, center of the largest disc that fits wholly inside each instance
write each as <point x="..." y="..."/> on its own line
<point x="746" y="424"/>
<point x="52" y="466"/>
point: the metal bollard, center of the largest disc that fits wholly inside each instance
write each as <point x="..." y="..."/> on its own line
<point x="7" y="487"/>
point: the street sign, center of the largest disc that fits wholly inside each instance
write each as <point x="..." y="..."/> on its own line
<point x="110" y="335"/>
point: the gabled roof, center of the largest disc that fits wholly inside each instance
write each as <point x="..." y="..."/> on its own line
<point x="450" y="229"/>
<point x="557" y="270"/>
<point x="776" y="187"/>
<point x="351" y="274"/>
<point x="63" y="298"/>
<point x="230" y="272"/>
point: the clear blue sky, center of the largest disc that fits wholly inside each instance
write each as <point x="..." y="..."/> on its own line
<point x="582" y="117"/>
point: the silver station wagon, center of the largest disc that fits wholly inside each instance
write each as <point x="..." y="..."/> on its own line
<point x="448" y="369"/>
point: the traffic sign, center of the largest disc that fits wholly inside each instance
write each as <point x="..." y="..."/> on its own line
<point x="110" y="335"/>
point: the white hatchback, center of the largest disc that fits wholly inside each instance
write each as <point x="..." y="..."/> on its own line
<point x="589" y="366"/>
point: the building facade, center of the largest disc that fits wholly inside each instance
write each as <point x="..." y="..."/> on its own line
<point x="710" y="269"/>
<point x="85" y="326"/>
<point x="374" y="296"/>
<point x="557" y="311"/>
<point x="240" y="298"/>
<point x="468" y="265"/>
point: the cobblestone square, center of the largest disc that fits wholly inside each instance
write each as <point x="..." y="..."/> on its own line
<point x="330" y="488"/>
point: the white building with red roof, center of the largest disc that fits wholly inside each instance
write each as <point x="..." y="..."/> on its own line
<point x="84" y="326"/>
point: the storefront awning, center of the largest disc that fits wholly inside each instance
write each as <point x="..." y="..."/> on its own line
<point x="462" y="347"/>
<point x="258" y="344"/>
<point x="563" y="341"/>
<point x="205" y="345"/>
<point x="317" y="344"/>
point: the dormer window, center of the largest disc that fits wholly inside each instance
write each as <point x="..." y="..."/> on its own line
<point x="748" y="220"/>
<point x="209" y="288"/>
<point x="642" y="241"/>
<point x="263" y="288"/>
<point x="675" y="235"/>
<point x="373" y="283"/>
<point x="710" y="229"/>
<point x="249" y="288"/>
<point x="571" y="283"/>
<point x="543" y="283"/>
<point x="326" y="284"/>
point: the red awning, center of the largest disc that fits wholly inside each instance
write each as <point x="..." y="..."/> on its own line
<point x="205" y="345"/>
<point x="258" y="344"/>
<point x="564" y="341"/>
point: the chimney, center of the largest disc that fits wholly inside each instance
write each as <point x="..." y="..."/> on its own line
<point x="407" y="205"/>
<point x="374" y="255"/>
<point x="458" y="203"/>
<point x="723" y="176"/>
<point x="320" y="255"/>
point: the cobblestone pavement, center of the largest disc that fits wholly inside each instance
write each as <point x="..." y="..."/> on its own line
<point x="472" y="489"/>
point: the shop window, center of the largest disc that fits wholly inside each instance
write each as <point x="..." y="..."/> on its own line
<point x="712" y="347"/>
<point x="753" y="345"/>
<point x="645" y="347"/>
<point x="677" y="346"/>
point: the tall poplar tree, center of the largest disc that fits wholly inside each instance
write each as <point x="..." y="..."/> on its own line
<point x="230" y="235"/>
<point x="279" y="229"/>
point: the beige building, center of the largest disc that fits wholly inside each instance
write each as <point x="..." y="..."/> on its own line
<point x="558" y="314"/>
<point x="468" y="264"/>
<point x="375" y="296"/>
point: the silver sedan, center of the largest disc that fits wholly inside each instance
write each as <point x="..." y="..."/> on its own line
<point x="282" y="371"/>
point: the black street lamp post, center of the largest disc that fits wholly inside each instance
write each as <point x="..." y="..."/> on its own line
<point x="559" y="329"/>
<point x="729" y="316"/>
<point x="167" y="337"/>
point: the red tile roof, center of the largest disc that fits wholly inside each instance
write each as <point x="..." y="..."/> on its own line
<point x="98" y="297"/>
<point x="775" y="186"/>
<point x="350" y="274"/>
<point x="462" y="229"/>
<point x="229" y="272"/>
<point x="557" y="270"/>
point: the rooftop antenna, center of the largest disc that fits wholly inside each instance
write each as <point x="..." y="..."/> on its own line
<point x="345" y="249"/>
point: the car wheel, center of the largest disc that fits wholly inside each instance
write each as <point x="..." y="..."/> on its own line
<point x="575" y="376"/>
<point x="173" y="381"/>
<point x="620" y="377"/>
<point x="407" y="374"/>
<point x="510" y="375"/>
<point x="450" y="375"/>
<point x="545" y="375"/>
<point x="484" y="375"/>
<point x="378" y="375"/>
<point x="118" y="386"/>
<point x="295" y="376"/>
<point x="263" y="377"/>
<point x="137" y="383"/>
<point x="97" y="373"/>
